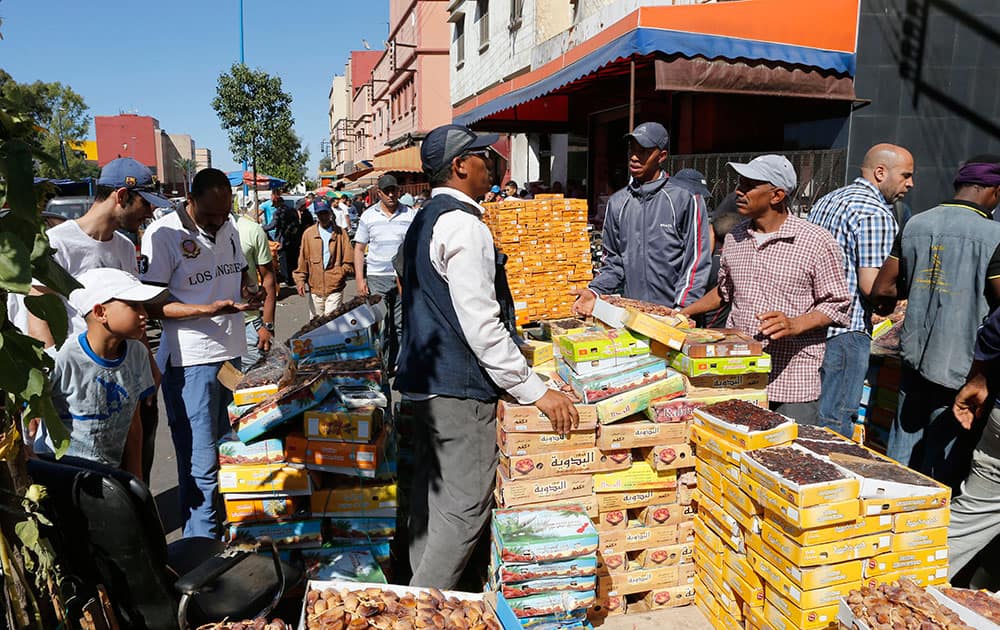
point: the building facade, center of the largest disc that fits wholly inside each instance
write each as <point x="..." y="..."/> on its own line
<point x="140" y="138"/>
<point x="203" y="158"/>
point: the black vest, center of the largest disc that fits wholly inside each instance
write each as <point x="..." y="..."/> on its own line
<point x="435" y="357"/>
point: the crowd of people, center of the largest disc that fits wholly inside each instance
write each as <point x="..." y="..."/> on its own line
<point x="805" y="287"/>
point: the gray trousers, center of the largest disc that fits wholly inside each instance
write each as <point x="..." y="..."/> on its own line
<point x="975" y="515"/>
<point x="392" y="330"/>
<point x="801" y="412"/>
<point x="455" y="455"/>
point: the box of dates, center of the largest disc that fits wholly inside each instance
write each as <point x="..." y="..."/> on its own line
<point x="531" y="534"/>
<point x="720" y="366"/>
<point x="607" y="501"/>
<point x="747" y="386"/>
<point x="640" y="434"/>
<point x="783" y="614"/>
<point x="332" y="420"/>
<point x="667" y="555"/>
<point x="668" y="456"/>
<point x="514" y="492"/>
<point x="719" y="448"/>
<point x="269" y="509"/>
<point x="236" y="453"/>
<point x="670" y="514"/>
<point x="513" y="443"/>
<point x="766" y="560"/>
<point x="830" y="553"/>
<point x="885" y="563"/>
<point x="512" y="572"/>
<point x="639" y="476"/>
<point x="547" y="585"/>
<point x="681" y="409"/>
<point x="592" y="388"/>
<point x="911" y="604"/>
<point x="289" y="534"/>
<point x="585" y="460"/>
<point x="745" y="424"/>
<point x="355" y="499"/>
<point x="817" y="516"/>
<point x="799" y="476"/>
<point x="529" y="418"/>
<point x="702" y="343"/>
<point x="329" y="455"/>
<point x="594" y="344"/>
<point x="264" y="479"/>
<point x="253" y="421"/>
<point x="637" y="400"/>
<point x="670" y="597"/>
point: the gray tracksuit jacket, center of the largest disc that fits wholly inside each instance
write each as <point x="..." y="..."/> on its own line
<point x="656" y="245"/>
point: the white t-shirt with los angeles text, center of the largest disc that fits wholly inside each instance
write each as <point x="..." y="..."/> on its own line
<point x="197" y="269"/>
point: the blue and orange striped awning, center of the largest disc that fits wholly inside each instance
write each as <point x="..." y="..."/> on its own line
<point x="819" y="34"/>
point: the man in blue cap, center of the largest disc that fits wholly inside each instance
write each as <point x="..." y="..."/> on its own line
<point x="124" y="200"/>
<point x="656" y="232"/>
<point x="458" y="355"/>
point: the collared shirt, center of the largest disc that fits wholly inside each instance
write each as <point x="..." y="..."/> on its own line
<point x="253" y="242"/>
<point x="325" y="235"/>
<point x="383" y="235"/>
<point x="861" y="220"/>
<point x="795" y="270"/>
<point x="462" y="252"/>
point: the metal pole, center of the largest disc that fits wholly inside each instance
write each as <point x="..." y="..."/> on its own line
<point x="631" y="94"/>
<point x="243" y="173"/>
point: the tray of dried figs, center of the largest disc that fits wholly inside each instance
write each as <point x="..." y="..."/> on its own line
<point x="799" y="475"/>
<point x="358" y="605"/>
<point x="904" y="605"/>
<point x="745" y="424"/>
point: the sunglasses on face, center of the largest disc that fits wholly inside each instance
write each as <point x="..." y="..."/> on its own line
<point x="484" y="154"/>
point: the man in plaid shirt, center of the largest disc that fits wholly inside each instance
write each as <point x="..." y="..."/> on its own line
<point x="784" y="279"/>
<point x="860" y="217"/>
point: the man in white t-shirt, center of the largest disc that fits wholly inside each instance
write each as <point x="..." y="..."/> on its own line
<point x="124" y="200"/>
<point x="195" y="252"/>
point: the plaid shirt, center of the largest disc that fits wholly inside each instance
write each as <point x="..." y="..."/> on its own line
<point x="796" y="270"/>
<point x="862" y="222"/>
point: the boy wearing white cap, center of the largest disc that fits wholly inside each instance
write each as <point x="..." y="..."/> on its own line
<point x="101" y="374"/>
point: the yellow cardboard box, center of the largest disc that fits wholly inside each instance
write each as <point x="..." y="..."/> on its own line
<point x="885" y="563"/>
<point x="264" y="478"/>
<point x="908" y="541"/>
<point x="513" y="443"/>
<point x="767" y="561"/>
<point x="639" y="476"/>
<point x="822" y="515"/>
<point x="922" y="519"/>
<point x="741" y="436"/>
<point x="830" y="553"/>
<point x="607" y="501"/>
<point x="801" y="619"/>
<point x="806" y="495"/>
<point x="512" y="493"/>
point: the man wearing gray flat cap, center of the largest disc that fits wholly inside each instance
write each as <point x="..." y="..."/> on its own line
<point x="656" y="232"/>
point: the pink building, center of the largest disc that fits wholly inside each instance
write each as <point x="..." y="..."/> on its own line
<point x="360" y="84"/>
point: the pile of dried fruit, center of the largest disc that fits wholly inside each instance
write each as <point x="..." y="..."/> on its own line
<point x="795" y="465"/>
<point x="746" y="414"/>
<point x="255" y="624"/>
<point x="976" y="601"/>
<point x="347" y="307"/>
<point x="825" y="448"/>
<point x="886" y="471"/>
<point x="385" y="610"/>
<point x="810" y="432"/>
<point x="639" y="305"/>
<point x="900" y="606"/>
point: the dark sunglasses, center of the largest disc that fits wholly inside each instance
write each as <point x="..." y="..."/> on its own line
<point x="484" y="154"/>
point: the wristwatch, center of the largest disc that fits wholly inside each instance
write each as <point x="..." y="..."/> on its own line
<point x="269" y="326"/>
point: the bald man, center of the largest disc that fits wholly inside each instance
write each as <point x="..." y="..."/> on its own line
<point x="860" y="217"/>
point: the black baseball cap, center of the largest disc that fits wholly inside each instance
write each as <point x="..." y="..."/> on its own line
<point x="447" y="142"/>
<point x="387" y="181"/>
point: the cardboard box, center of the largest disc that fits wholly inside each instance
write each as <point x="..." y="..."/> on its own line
<point x="669" y="331"/>
<point x="253" y="395"/>
<point x="923" y="519"/>
<point x="586" y="369"/>
<point x="361" y="499"/>
<point x="752" y="596"/>
<point x="817" y="516"/>
<point x="670" y="514"/>
<point x="667" y="555"/>
<point x="903" y="560"/>
<point x="636" y="401"/>
<point x="554" y="603"/>
<point x="518" y="492"/>
<point x="246" y="510"/>
<point x="921" y="576"/>
<point x="601" y="344"/>
<point x="612" y="520"/>
<point x="512" y="443"/>
<point x="708" y="470"/>
<point x="876" y="506"/>
<point x="638" y="580"/>
<point x="922" y="539"/>
<point x="670" y="597"/>
<point x="784" y="615"/>
<point x="607" y="501"/>
<point x="638" y="538"/>
<point x="668" y="456"/>
<point x="592" y="388"/>
<point x="768" y="563"/>
<point x="739" y="563"/>
<point x="548" y="585"/>
<point x="729" y="382"/>
<point x="830" y="553"/>
<point x="236" y="453"/>
<point x="528" y="418"/>
<point x="264" y="479"/>
<point x="612" y="562"/>
<point x="741" y="435"/>
<point x="706" y="538"/>
<point x="705" y="441"/>
<point x="724" y="366"/>
<point x="640" y="434"/>
<point x="362" y="527"/>
<point x="554" y="463"/>
<point x="529" y="534"/>
<point x="509" y="572"/>
<point x="863" y="526"/>
<point x="740" y="499"/>
<point x="253" y="422"/>
<point x="801" y="495"/>
<point x="681" y="409"/>
<point x="720" y="342"/>
<point x="639" y="476"/>
<point x="288" y="534"/>
<point x="331" y="420"/>
<point x="359" y="459"/>
<point x="338" y="333"/>
<point x="535" y="352"/>
<point x="354" y="564"/>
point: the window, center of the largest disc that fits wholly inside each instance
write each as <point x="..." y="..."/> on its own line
<point x="460" y="42"/>
<point x="516" y="11"/>
<point x="483" y="17"/>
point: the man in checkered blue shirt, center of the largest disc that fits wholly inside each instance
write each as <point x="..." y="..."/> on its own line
<point x="860" y="218"/>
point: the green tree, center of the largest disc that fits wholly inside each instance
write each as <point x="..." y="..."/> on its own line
<point x="257" y="115"/>
<point x="188" y="167"/>
<point x="62" y="118"/>
<point x="325" y="164"/>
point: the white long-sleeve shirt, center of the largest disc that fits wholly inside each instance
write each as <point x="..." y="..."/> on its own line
<point x="462" y="252"/>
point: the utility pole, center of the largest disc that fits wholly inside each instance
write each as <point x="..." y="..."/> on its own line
<point x="62" y="142"/>
<point x="243" y="174"/>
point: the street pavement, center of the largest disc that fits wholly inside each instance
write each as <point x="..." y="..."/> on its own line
<point x="291" y="314"/>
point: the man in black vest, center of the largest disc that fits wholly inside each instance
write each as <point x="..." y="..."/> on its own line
<point x="457" y="356"/>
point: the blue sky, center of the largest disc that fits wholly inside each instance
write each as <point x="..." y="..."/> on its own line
<point x="163" y="59"/>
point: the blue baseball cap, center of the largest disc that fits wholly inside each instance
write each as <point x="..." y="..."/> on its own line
<point x="495" y="189"/>
<point x="651" y="134"/>
<point x="131" y="175"/>
<point x="445" y="143"/>
<point x="321" y="205"/>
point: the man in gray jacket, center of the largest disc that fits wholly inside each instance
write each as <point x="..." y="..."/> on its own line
<point x="656" y="233"/>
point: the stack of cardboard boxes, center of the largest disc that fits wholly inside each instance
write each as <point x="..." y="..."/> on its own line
<point x="548" y="250"/>
<point x="313" y="463"/>
<point x="791" y="519"/>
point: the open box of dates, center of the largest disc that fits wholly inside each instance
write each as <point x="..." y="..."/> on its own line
<point x="799" y="476"/>
<point x="745" y="424"/>
<point x="904" y="604"/>
<point x="359" y="605"/>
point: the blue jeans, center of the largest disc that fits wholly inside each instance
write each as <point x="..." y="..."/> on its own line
<point x="925" y="434"/>
<point x="392" y="330"/>
<point x="196" y="411"/>
<point x="843" y="380"/>
<point x="253" y="353"/>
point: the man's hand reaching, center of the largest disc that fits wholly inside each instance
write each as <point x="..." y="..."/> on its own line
<point x="970" y="401"/>
<point x="585" y="300"/>
<point x="559" y="409"/>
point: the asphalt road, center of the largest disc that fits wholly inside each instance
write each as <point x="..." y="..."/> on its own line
<point x="292" y="312"/>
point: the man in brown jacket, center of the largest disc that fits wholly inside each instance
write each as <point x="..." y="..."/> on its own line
<point x="325" y="260"/>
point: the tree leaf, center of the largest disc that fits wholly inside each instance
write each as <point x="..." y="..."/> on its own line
<point x="50" y="309"/>
<point x="42" y="407"/>
<point x="15" y="264"/>
<point x="17" y="167"/>
<point x="21" y="354"/>
<point x="27" y="531"/>
<point x="47" y="271"/>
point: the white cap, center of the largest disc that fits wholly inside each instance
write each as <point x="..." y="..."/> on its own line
<point x="102" y="285"/>
<point x="773" y="169"/>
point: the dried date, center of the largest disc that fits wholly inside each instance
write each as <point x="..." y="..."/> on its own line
<point x="845" y="447"/>
<point x="902" y="605"/>
<point x="747" y="414"/>
<point x="884" y="470"/>
<point x="810" y="432"/>
<point x="638" y="305"/>
<point x="385" y="610"/>
<point x="795" y="465"/>
<point x="976" y="601"/>
<point x="320" y="320"/>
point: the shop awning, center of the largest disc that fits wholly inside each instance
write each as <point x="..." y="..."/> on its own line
<point x="738" y="77"/>
<point x="406" y="160"/>
<point x="818" y="34"/>
<point x="370" y="176"/>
